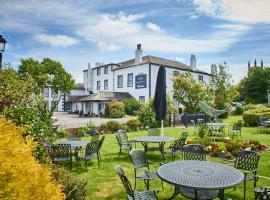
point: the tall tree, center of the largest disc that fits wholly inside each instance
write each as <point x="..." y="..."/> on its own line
<point x="189" y="91"/>
<point x="254" y="87"/>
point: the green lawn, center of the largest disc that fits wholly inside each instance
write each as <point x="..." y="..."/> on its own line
<point x="104" y="183"/>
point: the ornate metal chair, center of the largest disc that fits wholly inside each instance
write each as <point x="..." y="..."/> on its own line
<point x="248" y="161"/>
<point x="61" y="153"/>
<point x="263" y="192"/>
<point x="124" y="144"/>
<point x="177" y="146"/>
<point x="262" y="125"/>
<point x="100" y="143"/>
<point x="135" y="195"/>
<point x="194" y="152"/>
<point x="140" y="161"/>
<point x="74" y="136"/>
<point x="90" y="152"/>
<point x="236" y="129"/>
<point x="154" y="132"/>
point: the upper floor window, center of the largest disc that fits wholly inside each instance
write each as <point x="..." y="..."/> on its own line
<point x="200" y="77"/>
<point x="130" y="80"/>
<point x="106" y="84"/>
<point x="46" y="92"/>
<point x="98" y="85"/>
<point x="142" y="99"/>
<point x="98" y="71"/>
<point x="120" y="81"/>
<point x="106" y="70"/>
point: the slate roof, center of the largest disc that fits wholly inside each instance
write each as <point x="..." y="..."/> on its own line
<point x="104" y="96"/>
<point x="74" y="98"/>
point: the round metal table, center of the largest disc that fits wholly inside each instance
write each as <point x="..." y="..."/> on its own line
<point x="161" y="140"/>
<point x="200" y="175"/>
<point x="74" y="143"/>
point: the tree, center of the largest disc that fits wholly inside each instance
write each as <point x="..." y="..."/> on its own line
<point x="223" y="90"/>
<point x="254" y="87"/>
<point x="48" y="73"/>
<point x="189" y="91"/>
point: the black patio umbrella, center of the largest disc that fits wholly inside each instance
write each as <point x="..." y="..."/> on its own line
<point x="160" y="102"/>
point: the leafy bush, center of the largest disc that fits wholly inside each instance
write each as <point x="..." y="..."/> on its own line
<point x="252" y="106"/>
<point x="251" y="117"/>
<point x="239" y="110"/>
<point x="226" y="114"/>
<point x="133" y="124"/>
<point x="115" y="109"/>
<point x="131" y="106"/>
<point x="146" y="116"/>
<point x="110" y="126"/>
<point x="21" y="176"/>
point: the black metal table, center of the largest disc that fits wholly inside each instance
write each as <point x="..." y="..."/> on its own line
<point x="74" y="143"/>
<point x="200" y="175"/>
<point x="161" y="140"/>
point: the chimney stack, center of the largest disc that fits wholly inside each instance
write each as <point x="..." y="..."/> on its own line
<point x="213" y="69"/>
<point x="261" y="63"/>
<point x="193" y="62"/>
<point x="138" y="54"/>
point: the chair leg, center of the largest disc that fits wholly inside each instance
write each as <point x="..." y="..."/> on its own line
<point x="119" y="153"/>
<point x="98" y="161"/>
<point x="245" y="189"/>
<point x="135" y="180"/>
<point x="221" y="194"/>
<point x="162" y="186"/>
<point x="175" y="193"/>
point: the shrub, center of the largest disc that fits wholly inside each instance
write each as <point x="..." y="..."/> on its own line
<point x="21" y="176"/>
<point x="131" y="106"/>
<point x="226" y="114"/>
<point x="251" y="117"/>
<point x="115" y="109"/>
<point x="133" y="124"/>
<point x="252" y="106"/>
<point x="110" y="126"/>
<point x="146" y="116"/>
<point x="239" y="110"/>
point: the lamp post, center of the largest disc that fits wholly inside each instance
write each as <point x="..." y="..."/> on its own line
<point x="2" y="48"/>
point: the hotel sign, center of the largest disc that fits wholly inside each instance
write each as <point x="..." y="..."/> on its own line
<point x="140" y="81"/>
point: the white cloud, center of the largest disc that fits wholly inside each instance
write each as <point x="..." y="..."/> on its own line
<point x="244" y="11"/>
<point x="57" y="40"/>
<point x="193" y="16"/>
<point x="103" y="46"/>
<point x="153" y="27"/>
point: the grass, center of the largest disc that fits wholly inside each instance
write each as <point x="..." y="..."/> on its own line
<point x="104" y="183"/>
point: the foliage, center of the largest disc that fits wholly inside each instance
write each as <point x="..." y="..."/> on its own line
<point x="223" y="90"/>
<point x="15" y="90"/>
<point x="226" y="114"/>
<point x="202" y="131"/>
<point x="131" y="106"/>
<point x="252" y="106"/>
<point x="115" y="109"/>
<point x="133" y="124"/>
<point x="251" y="117"/>
<point x="189" y="91"/>
<point x="146" y="115"/>
<point x="21" y="177"/>
<point x="254" y="87"/>
<point x="171" y="108"/>
<point x="110" y="126"/>
<point x="72" y="187"/>
<point x="239" y="110"/>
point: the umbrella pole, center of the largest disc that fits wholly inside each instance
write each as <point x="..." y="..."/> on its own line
<point x="162" y="127"/>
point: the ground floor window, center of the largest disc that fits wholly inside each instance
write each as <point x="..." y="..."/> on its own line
<point x="106" y="84"/>
<point x="142" y="99"/>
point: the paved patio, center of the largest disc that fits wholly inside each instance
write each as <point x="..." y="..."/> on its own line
<point x="74" y="121"/>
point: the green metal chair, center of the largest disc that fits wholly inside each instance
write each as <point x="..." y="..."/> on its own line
<point x="131" y="194"/>
<point x="124" y="144"/>
<point x="61" y="153"/>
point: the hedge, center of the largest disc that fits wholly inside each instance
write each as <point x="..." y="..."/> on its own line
<point x="21" y="176"/>
<point x="251" y="117"/>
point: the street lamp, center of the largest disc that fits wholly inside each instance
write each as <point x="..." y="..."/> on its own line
<point x="2" y="48"/>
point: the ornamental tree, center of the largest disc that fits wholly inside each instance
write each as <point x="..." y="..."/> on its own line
<point x="189" y="91"/>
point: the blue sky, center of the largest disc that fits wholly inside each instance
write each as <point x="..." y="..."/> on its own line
<point x="78" y="32"/>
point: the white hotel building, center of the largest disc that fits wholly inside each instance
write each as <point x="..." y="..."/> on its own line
<point x="132" y="78"/>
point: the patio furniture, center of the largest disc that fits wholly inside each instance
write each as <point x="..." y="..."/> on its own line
<point x="140" y="161"/>
<point x="74" y="143"/>
<point x="262" y="192"/>
<point x="264" y="123"/>
<point x="100" y="143"/>
<point x="90" y="152"/>
<point x="216" y="128"/>
<point x="214" y="113"/>
<point x="161" y="140"/>
<point x="73" y="136"/>
<point x="236" y="129"/>
<point x="248" y="161"/>
<point x="131" y="194"/>
<point x="194" y="152"/>
<point x="200" y="180"/>
<point x="61" y="153"/>
<point x="124" y="144"/>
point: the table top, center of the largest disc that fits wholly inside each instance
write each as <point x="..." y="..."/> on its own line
<point x="200" y="174"/>
<point x="216" y="124"/>
<point x="153" y="139"/>
<point x="74" y="143"/>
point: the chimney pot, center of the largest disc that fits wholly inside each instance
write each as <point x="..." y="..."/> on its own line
<point x="193" y="61"/>
<point x="138" y="54"/>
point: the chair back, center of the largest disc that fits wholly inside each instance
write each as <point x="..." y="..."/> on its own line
<point x="154" y="132"/>
<point x="122" y="131"/>
<point x="124" y="181"/>
<point x="119" y="141"/>
<point x="91" y="148"/>
<point x="237" y="126"/>
<point x="194" y="152"/>
<point x="123" y="138"/>
<point x="94" y="137"/>
<point x="247" y="160"/>
<point x="262" y="121"/>
<point x="100" y="142"/>
<point x="139" y="158"/>
<point x="73" y="136"/>
<point x="184" y="136"/>
<point x="60" y="151"/>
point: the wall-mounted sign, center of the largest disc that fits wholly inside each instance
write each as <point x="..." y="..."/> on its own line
<point x="140" y="81"/>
